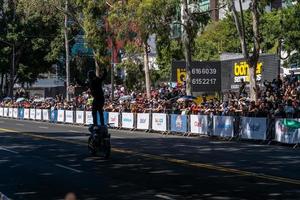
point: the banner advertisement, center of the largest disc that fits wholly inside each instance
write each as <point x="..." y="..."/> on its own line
<point x="5" y="112"/>
<point x="143" y="121"/>
<point x="1" y="112"/>
<point x="113" y="119"/>
<point x="60" y="116"/>
<point x="127" y="120"/>
<point x="26" y="113"/>
<point x="80" y="117"/>
<point x="10" y="112"/>
<point x="179" y="123"/>
<point x="159" y="122"/>
<point x="88" y="117"/>
<point x="45" y="114"/>
<point x="15" y="112"/>
<point x="32" y="114"/>
<point x="223" y="126"/>
<point x="287" y="131"/>
<point x="38" y="114"/>
<point x="254" y="128"/>
<point x="69" y="116"/>
<point x="21" y="113"/>
<point x="199" y="124"/>
<point x="53" y="115"/>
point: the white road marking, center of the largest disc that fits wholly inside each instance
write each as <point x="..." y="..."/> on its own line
<point x="72" y="131"/>
<point x="1" y="121"/>
<point x="162" y="196"/>
<point x="19" y="124"/>
<point x="25" y="193"/>
<point x="68" y="168"/>
<point x="44" y="127"/>
<point x="11" y="151"/>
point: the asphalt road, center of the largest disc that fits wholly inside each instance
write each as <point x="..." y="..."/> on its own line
<point x="45" y="161"/>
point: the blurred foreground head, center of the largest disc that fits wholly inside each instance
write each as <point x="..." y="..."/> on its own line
<point x="70" y="196"/>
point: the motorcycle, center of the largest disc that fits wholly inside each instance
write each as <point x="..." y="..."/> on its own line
<point x="99" y="141"/>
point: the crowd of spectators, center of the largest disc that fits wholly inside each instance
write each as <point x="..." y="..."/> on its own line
<point x="278" y="98"/>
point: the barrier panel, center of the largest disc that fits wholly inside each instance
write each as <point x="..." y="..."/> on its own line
<point x="53" y="116"/>
<point x="5" y="112"/>
<point x="127" y="120"/>
<point x="45" y="114"/>
<point x="88" y="118"/>
<point x="159" y="122"/>
<point x="21" y="113"/>
<point x="79" y="117"/>
<point x="69" y="116"/>
<point x="143" y="121"/>
<point x="254" y="128"/>
<point x="223" y="126"/>
<point x="26" y="113"/>
<point x="60" y="116"/>
<point x="32" y="113"/>
<point x="38" y="114"/>
<point x="113" y="119"/>
<point x="199" y="124"/>
<point x="10" y="112"/>
<point x="15" y="113"/>
<point x="287" y="131"/>
<point x="179" y="123"/>
<point x="1" y="112"/>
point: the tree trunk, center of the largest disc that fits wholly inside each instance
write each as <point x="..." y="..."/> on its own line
<point x="12" y="73"/>
<point x="147" y="72"/>
<point x="67" y="52"/>
<point x="112" y="75"/>
<point x="252" y="83"/>
<point x="187" y="45"/>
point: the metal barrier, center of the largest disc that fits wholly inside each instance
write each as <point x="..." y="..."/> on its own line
<point x="249" y="128"/>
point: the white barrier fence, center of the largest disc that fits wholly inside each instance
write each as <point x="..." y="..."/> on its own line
<point x="221" y="126"/>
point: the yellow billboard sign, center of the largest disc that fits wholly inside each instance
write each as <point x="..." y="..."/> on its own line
<point x="241" y="71"/>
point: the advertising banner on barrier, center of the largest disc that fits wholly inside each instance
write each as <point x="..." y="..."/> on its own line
<point x="10" y="112"/>
<point x="223" y="126"/>
<point x="79" y="117"/>
<point x="26" y="113"/>
<point x="15" y="112"/>
<point x="5" y="112"/>
<point x="159" y="122"/>
<point x="38" y="114"/>
<point x="198" y="124"/>
<point x="179" y="123"/>
<point x="21" y="113"/>
<point x="143" y="121"/>
<point x="88" y="117"/>
<point x="1" y="112"/>
<point x="32" y="113"/>
<point x="287" y="131"/>
<point x="69" y="116"/>
<point x="113" y="119"/>
<point x="53" y="115"/>
<point x="45" y="114"/>
<point x="60" y="116"/>
<point x="254" y="128"/>
<point x="127" y="120"/>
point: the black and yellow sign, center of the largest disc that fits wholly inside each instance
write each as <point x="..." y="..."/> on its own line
<point x="241" y="71"/>
<point x="205" y="76"/>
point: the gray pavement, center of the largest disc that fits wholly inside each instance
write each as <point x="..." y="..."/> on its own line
<point x="45" y="161"/>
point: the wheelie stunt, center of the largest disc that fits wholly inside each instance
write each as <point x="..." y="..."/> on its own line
<point x="99" y="140"/>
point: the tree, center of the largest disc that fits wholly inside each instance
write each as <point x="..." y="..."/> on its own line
<point x="256" y="8"/>
<point x="137" y="20"/>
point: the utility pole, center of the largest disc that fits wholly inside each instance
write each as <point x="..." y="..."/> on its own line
<point x="67" y="51"/>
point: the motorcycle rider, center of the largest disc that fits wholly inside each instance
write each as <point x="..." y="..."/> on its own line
<point x="95" y="87"/>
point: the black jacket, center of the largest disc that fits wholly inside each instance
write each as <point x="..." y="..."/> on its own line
<point x="95" y="85"/>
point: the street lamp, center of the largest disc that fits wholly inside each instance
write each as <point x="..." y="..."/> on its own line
<point x="12" y="71"/>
